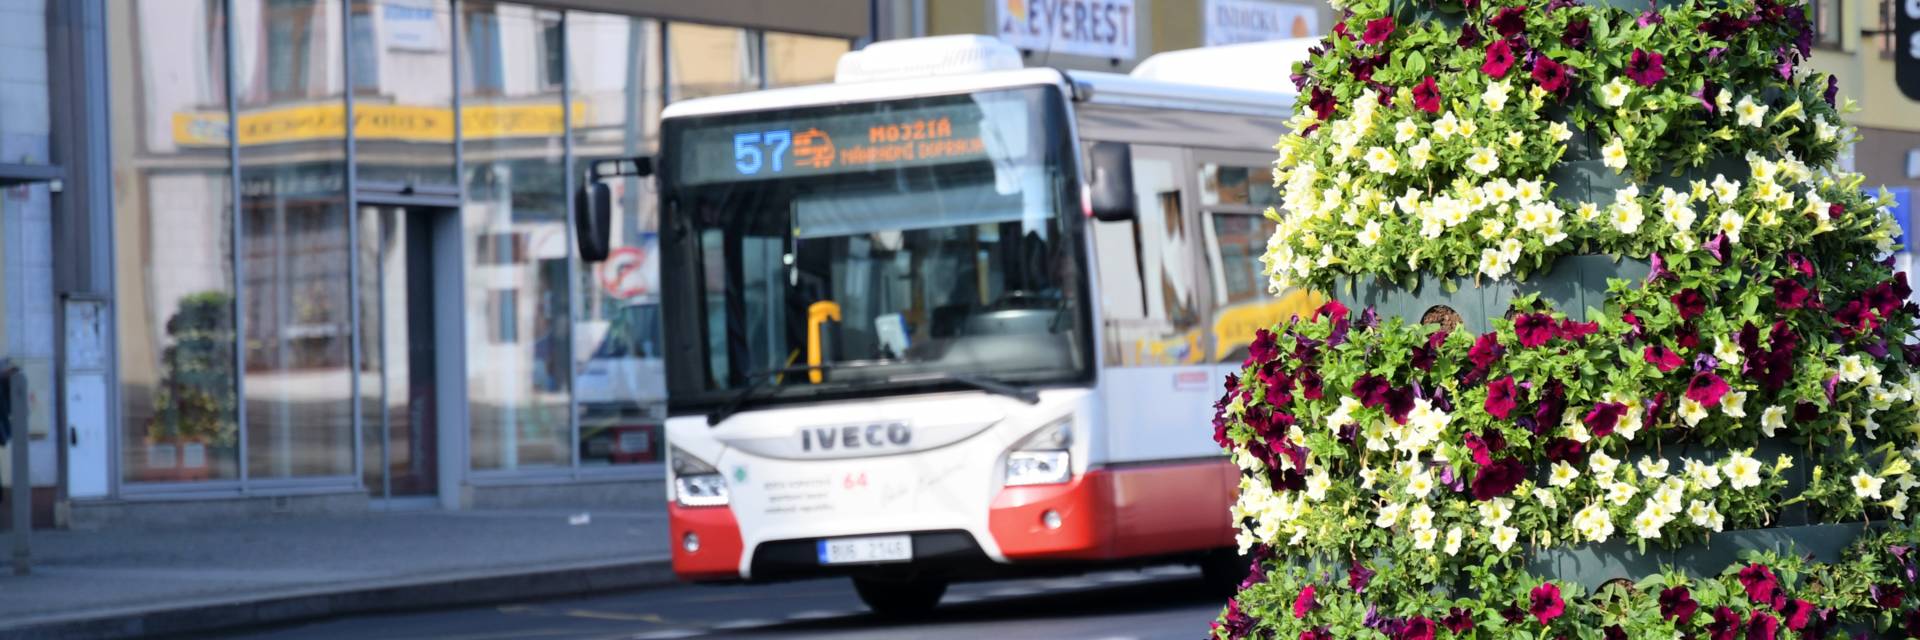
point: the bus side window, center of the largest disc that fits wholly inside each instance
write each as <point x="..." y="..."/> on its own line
<point x="1146" y="269"/>
<point x="1236" y="236"/>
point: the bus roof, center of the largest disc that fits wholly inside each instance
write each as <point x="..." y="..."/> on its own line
<point x="1208" y="82"/>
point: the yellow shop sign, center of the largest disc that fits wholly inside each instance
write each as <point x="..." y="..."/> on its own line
<point x="404" y="123"/>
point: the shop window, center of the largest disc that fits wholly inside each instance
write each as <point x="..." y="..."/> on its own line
<point x="365" y="48"/>
<point x="1828" y="22"/>
<point x="711" y="61"/>
<point x="485" y="75"/>
<point x="514" y="220"/>
<point x="290" y="42"/>
<point x="794" y="59"/>
<point x="173" y="226"/>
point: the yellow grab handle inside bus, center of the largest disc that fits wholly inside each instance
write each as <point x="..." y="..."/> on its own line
<point x="817" y="314"/>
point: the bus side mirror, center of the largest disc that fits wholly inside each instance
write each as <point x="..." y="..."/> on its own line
<point x="1111" y="182"/>
<point x="593" y="204"/>
<point x="593" y="221"/>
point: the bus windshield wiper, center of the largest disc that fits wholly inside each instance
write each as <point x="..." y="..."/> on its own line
<point x="761" y="378"/>
<point x="984" y="383"/>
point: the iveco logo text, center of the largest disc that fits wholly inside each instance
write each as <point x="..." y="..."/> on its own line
<point x="854" y="436"/>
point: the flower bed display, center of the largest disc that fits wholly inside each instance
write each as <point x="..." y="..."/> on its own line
<point x="1615" y="350"/>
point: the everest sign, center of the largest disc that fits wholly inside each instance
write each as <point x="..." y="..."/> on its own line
<point x="1093" y="28"/>
<point x="1906" y="33"/>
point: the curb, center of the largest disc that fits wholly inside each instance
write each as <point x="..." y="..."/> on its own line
<point x="440" y="591"/>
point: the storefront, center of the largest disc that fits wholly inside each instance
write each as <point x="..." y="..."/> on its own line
<point x="325" y="245"/>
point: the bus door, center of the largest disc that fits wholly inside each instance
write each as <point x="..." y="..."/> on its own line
<point x="1235" y="189"/>
<point x="1158" y="378"/>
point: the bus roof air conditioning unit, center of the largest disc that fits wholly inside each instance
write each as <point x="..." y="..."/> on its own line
<point x="1226" y="66"/>
<point x="931" y="56"/>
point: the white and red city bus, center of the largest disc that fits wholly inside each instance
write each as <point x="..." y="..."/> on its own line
<point x="948" y="318"/>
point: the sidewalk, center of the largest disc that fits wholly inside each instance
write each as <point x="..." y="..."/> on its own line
<point x="128" y="581"/>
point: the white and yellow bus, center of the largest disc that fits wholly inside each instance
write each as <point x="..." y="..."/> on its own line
<point x="949" y="318"/>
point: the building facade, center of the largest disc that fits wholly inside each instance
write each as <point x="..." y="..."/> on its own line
<point x="1856" y="45"/>
<point x="1108" y="35"/>
<point x="318" y="255"/>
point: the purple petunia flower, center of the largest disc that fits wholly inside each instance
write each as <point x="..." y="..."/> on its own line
<point x="1646" y="68"/>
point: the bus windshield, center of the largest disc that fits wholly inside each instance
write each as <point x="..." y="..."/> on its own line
<point x="894" y="243"/>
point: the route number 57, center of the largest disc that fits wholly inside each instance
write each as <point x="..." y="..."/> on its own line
<point x="752" y="149"/>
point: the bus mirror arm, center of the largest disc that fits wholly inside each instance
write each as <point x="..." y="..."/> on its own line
<point x="1110" y="182"/>
<point x="593" y="204"/>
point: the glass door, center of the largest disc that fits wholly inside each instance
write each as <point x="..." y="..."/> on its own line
<point x="398" y="381"/>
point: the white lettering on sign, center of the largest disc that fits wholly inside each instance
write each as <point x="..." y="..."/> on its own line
<point x="1096" y="28"/>
<point x="1237" y="21"/>
<point x="1913" y="9"/>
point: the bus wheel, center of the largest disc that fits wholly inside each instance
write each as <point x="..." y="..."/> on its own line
<point x="896" y="598"/>
<point x="1222" y="571"/>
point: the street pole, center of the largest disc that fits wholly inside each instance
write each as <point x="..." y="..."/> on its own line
<point x="22" y="484"/>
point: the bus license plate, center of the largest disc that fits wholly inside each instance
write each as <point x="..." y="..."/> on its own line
<point x="866" y="549"/>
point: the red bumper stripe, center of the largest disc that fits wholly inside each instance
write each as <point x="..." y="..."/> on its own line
<point x="720" y="547"/>
<point x="1119" y="513"/>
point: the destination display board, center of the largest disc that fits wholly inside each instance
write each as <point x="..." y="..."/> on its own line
<point x="882" y="136"/>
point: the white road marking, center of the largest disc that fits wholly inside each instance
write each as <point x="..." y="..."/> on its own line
<point x="670" y="634"/>
<point x="748" y="623"/>
<point x="959" y="599"/>
<point x="1012" y="592"/>
<point x="823" y="615"/>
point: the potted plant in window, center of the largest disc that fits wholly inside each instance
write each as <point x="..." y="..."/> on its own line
<point x="195" y="406"/>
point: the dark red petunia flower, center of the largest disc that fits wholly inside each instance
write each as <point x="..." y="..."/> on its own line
<point x="1551" y="76"/>
<point x="1855" y="318"/>
<point x="1800" y="263"/>
<point x="1725" y="625"/>
<point x="1377" y="30"/>
<point x="1797" y="614"/>
<point x="1417" y="628"/>
<point x="1566" y="450"/>
<point x="1662" y="358"/>
<point x="1262" y="349"/>
<point x="1762" y="626"/>
<point x="1359" y="576"/>
<point x="1533" y="329"/>
<point x="1789" y="294"/>
<point x="1706" y="389"/>
<point x="1501" y="398"/>
<point x="1319" y="633"/>
<point x="1458" y="620"/>
<point x="1510" y="21"/>
<point x="1573" y="331"/>
<point x="1498" y="479"/>
<point x="1603" y="418"/>
<point x="1577" y="33"/>
<point x="1303" y="603"/>
<point x="1760" y="584"/>
<point x="1322" y="102"/>
<point x="1486" y="350"/>
<point x="1425" y="356"/>
<point x="1676" y="603"/>
<point x="1371" y="390"/>
<point x="1499" y="59"/>
<point x="1310" y="384"/>
<point x="1426" y="96"/>
<point x="1689" y="303"/>
<point x="1399" y="404"/>
<point x="1887" y="596"/>
<point x="1544" y="603"/>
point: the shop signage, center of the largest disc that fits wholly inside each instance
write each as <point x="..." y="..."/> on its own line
<point x="1906" y="35"/>
<point x="373" y="122"/>
<point x="410" y="26"/>
<point x="1237" y="21"/>
<point x="1094" y="28"/>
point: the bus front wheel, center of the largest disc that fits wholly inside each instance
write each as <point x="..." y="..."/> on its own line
<point x="895" y="598"/>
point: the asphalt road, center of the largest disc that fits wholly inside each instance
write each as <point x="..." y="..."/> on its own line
<point x="1168" y="602"/>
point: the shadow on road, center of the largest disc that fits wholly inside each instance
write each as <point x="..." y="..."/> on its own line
<point x="1142" y="597"/>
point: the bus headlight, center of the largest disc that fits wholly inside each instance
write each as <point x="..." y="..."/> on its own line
<point x="696" y="483"/>
<point x="1042" y="457"/>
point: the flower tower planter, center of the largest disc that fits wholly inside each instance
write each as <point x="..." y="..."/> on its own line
<point x="1614" y="349"/>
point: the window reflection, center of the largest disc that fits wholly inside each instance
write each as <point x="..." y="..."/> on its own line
<point x="711" y="61"/>
<point x="173" y="231"/>
<point x="294" y="244"/>
<point x="794" y="59"/>
<point x="516" y="233"/>
<point x="620" y="387"/>
<point x="25" y="120"/>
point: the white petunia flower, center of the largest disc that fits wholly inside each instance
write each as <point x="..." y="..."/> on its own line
<point x="1370" y="235"/>
<point x="1380" y="160"/>
<point x="1483" y="161"/>
<point x="1454" y="536"/>
<point x="1750" y="114"/>
<point x="1423" y="539"/>
<point x="1389" y="515"/>
<point x="1772" y="419"/>
<point x="1703" y="476"/>
<point x="1626" y="216"/>
<point x="1743" y="472"/>
<point x="1692" y="412"/>
<point x="1867" y="485"/>
<point x="1563" y="474"/>
<point x="1495" y="97"/>
<point x="1405" y="130"/>
<point x="1652" y="468"/>
<point x="1725" y="190"/>
<point x="1614" y="93"/>
<point x="1614" y="154"/>
<point x="1734" y="404"/>
<point x="1503" y="538"/>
